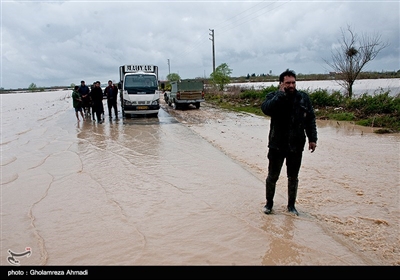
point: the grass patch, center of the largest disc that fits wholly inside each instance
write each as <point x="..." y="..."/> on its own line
<point x="342" y="116"/>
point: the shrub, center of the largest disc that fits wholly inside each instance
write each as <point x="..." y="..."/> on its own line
<point x="321" y="98"/>
<point x="342" y="116"/>
<point x="377" y="104"/>
<point x="252" y="94"/>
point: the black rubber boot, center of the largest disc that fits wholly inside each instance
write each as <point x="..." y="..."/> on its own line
<point x="292" y="194"/>
<point x="270" y="192"/>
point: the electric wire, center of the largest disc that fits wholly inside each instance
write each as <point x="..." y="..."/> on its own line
<point x="227" y="25"/>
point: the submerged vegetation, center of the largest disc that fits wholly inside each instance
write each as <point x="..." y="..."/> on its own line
<point x="380" y="110"/>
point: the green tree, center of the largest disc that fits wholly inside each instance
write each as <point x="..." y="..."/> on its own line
<point x="173" y="77"/>
<point x="32" y="87"/>
<point x="72" y="85"/>
<point x="221" y="76"/>
<point x="351" y="57"/>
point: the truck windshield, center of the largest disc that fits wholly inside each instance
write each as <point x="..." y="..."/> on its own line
<point x="140" y="81"/>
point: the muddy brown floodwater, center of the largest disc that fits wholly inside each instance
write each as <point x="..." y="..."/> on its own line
<point x="187" y="188"/>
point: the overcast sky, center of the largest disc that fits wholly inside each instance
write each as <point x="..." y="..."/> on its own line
<point x="52" y="43"/>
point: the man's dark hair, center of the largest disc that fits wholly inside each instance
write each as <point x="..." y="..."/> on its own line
<point x="287" y="73"/>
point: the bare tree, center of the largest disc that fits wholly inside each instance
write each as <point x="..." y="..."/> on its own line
<point x="352" y="55"/>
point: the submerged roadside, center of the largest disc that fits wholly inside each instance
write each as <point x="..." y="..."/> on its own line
<point x="345" y="187"/>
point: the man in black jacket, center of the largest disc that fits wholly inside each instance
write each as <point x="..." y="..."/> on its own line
<point x="111" y="91"/>
<point x="97" y="98"/>
<point x="292" y="119"/>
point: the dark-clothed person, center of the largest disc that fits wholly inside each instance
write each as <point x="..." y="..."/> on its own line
<point x="84" y="92"/>
<point x="292" y="120"/>
<point x="111" y="91"/>
<point x="97" y="99"/>
<point x="77" y="103"/>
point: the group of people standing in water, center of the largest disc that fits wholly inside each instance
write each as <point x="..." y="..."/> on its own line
<point x="89" y="101"/>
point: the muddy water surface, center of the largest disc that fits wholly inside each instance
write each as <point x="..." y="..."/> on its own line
<point x="187" y="188"/>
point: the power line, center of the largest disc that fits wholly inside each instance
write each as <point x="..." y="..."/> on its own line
<point x="227" y="20"/>
<point x="227" y="29"/>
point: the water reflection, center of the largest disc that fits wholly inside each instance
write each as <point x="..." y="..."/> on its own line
<point x="283" y="249"/>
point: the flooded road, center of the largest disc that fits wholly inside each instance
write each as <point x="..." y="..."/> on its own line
<point x="187" y="188"/>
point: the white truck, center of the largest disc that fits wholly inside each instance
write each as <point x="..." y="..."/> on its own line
<point x="139" y="93"/>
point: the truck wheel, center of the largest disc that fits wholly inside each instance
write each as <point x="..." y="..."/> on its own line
<point x="123" y="113"/>
<point x="175" y="106"/>
<point x="169" y="103"/>
<point x="197" y="105"/>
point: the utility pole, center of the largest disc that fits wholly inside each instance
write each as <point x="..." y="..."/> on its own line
<point x="213" y="48"/>
<point x="169" y="68"/>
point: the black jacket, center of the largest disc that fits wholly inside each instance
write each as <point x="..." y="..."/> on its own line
<point x="292" y="119"/>
<point x="84" y="92"/>
<point x="97" y="98"/>
<point x="114" y="92"/>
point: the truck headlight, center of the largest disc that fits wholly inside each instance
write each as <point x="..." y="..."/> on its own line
<point x="127" y="102"/>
